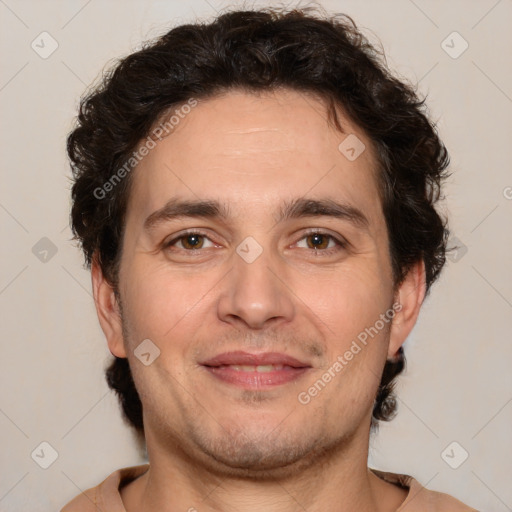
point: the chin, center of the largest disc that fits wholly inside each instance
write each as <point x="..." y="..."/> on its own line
<point x="263" y="457"/>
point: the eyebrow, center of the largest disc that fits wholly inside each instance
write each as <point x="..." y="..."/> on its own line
<point x="294" y="209"/>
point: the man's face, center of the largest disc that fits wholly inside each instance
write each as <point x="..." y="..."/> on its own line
<point x="214" y="293"/>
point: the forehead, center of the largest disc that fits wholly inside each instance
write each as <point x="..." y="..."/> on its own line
<point x="251" y="150"/>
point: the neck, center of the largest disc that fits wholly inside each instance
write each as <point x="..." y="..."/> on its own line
<point x="337" y="476"/>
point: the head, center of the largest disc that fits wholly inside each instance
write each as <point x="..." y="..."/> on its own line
<point x="248" y="115"/>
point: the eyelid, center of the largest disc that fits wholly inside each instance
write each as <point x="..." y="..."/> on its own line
<point x="338" y="239"/>
<point x="182" y="234"/>
<point x="322" y="231"/>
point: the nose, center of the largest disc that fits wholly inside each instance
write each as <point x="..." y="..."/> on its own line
<point x="255" y="294"/>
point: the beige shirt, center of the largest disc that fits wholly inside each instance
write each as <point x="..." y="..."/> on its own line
<point x="106" y="497"/>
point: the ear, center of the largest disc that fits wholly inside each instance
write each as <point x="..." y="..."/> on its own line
<point x="108" y="310"/>
<point x="410" y="295"/>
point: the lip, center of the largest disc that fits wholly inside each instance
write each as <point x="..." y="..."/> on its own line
<point x="241" y="358"/>
<point x="223" y="368"/>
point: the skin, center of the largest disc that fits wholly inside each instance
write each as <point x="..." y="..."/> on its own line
<point x="215" y="446"/>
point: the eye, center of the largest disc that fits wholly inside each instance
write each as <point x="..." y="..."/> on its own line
<point x="322" y="242"/>
<point x="318" y="241"/>
<point x="189" y="241"/>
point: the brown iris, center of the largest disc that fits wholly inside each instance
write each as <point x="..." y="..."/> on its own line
<point x="319" y="241"/>
<point x="193" y="241"/>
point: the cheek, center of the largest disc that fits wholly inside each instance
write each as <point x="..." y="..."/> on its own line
<point x="346" y="300"/>
<point x="161" y="302"/>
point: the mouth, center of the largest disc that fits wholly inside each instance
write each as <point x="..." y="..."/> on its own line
<point x="255" y="371"/>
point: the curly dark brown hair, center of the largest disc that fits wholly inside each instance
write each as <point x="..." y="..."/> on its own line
<point x="302" y="49"/>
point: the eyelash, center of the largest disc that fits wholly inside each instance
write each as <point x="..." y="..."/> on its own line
<point x="341" y="244"/>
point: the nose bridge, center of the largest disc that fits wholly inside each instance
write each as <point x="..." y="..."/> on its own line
<point x="254" y="294"/>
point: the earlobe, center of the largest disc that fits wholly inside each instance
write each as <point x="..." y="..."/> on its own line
<point x="410" y="296"/>
<point x="107" y="308"/>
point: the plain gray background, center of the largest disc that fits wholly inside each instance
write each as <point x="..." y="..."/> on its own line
<point x="458" y="386"/>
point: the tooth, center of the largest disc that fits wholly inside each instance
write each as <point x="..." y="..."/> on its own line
<point x="263" y="368"/>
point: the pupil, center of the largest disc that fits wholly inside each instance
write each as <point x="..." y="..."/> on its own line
<point x="193" y="240"/>
<point x="317" y="240"/>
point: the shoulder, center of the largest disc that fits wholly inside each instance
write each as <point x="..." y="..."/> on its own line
<point x="420" y="499"/>
<point x="105" y="496"/>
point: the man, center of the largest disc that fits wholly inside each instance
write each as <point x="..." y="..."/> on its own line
<point x="256" y="200"/>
